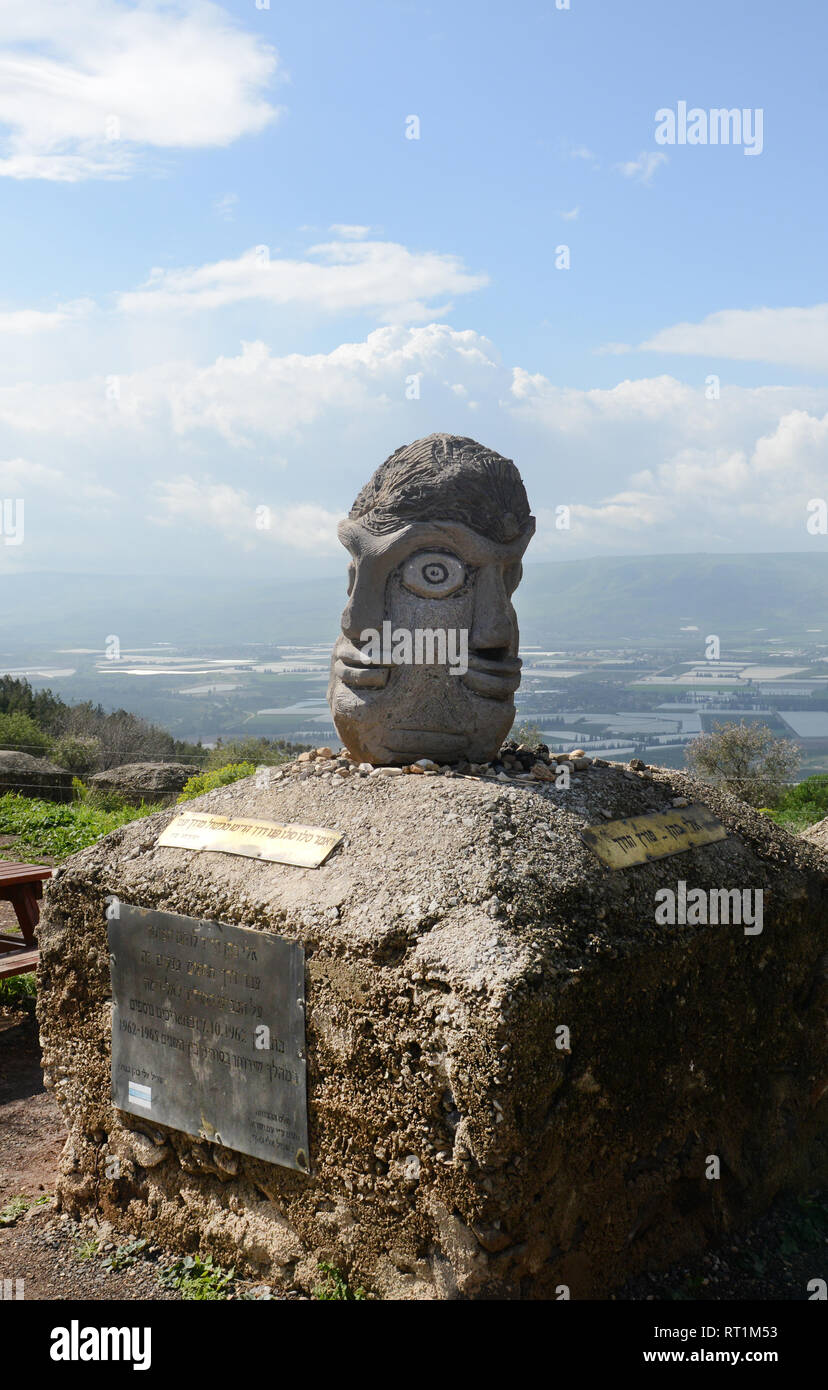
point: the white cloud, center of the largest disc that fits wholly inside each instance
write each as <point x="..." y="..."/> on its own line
<point x="18" y="474"/>
<point x="349" y="231"/>
<point x="24" y="322"/>
<point x="795" y="337"/>
<point x="645" y="465"/>
<point x="24" y="477"/>
<point x="86" y="86"/>
<point x="572" y="215"/>
<point x="255" y="396"/>
<point x="643" y="168"/>
<point x="381" y="278"/>
<point x="665" y="466"/>
<point x="303" y="526"/>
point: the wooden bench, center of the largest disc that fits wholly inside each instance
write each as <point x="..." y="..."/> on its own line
<point x="22" y="886"/>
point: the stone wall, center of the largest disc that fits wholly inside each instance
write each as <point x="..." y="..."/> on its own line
<point x="457" y="1150"/>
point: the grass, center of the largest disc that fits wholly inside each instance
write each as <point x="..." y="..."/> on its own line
<point x="58" y="829"/>
<point x="18" y="1206"/>
<point x="19" y="992"/>
<point x="198" y="1280"/>
<point x="334" y="1287"/>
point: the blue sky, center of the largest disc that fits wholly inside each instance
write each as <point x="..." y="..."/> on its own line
<point x="147" y="150"/>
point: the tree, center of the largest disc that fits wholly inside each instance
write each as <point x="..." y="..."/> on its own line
<point x="20" y="732"/>
<point x="747" y="758"/>
<point x="78" y="753"/>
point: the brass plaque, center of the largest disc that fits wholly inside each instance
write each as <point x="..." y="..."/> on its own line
<point x="638" y="839"/>
<point x="208" y="1031"/>
<point x="306" y="845"/>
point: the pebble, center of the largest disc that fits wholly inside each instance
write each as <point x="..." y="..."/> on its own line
<point x="513" y="763"/>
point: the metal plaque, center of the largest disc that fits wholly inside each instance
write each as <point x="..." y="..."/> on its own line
<point x="638" y="839"/>
<point x="208" y="1031"/>
<point x="306" y="845"/>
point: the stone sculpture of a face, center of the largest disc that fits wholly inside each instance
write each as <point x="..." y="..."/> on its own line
<point x="427" y="664"/>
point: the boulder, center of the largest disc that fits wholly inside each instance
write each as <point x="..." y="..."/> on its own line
<point x="818" y="835"/>
<point x="150" y="782"/>
<point x="20" y="772"/>
<point x="520" y="1084"/>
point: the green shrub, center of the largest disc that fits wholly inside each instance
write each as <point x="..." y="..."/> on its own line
<point x="804" y="804"/>
<point x="78" y="753"/>
<point x="747" y="759"/>
<point x="263" y="752"/>
<point x="219" y="777"/>
<point x="19" y="731"/>
<point x="125" y="1255"/>
<point x="334" y="1287"/>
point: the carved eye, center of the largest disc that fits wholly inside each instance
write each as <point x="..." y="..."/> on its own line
<point x="432" y="574"/>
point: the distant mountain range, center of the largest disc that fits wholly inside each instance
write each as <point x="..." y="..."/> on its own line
<point x="616" y="601"/>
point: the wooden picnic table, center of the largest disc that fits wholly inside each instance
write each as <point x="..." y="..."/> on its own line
<point x="22" y="886"/>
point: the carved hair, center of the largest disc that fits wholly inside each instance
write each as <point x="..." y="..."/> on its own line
<point x="446" y="477"/>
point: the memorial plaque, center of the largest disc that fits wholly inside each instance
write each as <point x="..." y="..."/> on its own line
<point x="306" y="845"/>
<point x="638" y="839"/>
<point x="208" y="1031"/>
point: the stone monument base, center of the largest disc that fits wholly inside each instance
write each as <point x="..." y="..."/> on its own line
<point x="519" y="1082"/>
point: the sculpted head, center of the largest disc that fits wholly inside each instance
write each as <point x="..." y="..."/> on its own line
<point x="427" y="664"/>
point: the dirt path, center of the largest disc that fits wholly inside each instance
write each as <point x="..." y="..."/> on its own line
<point x="32" y="1133"/>
<point x="55" y="1257"/>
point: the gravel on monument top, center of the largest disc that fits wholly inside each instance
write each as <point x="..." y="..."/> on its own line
<point x="510" y="854"/>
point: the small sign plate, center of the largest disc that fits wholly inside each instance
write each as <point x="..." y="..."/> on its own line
<point x="306" y="845"/>
<point x="208" y="1032"/>
<point x="639" y="839"/>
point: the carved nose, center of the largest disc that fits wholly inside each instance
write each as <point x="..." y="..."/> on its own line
<point x="492" y="628"/>
<point x="363" y="610"/>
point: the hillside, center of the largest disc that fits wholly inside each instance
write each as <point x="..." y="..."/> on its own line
<point x="643" y="599"/>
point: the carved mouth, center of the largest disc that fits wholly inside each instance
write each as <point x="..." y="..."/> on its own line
<point x="493" y="673"/>
<point x="352" y="668"/>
